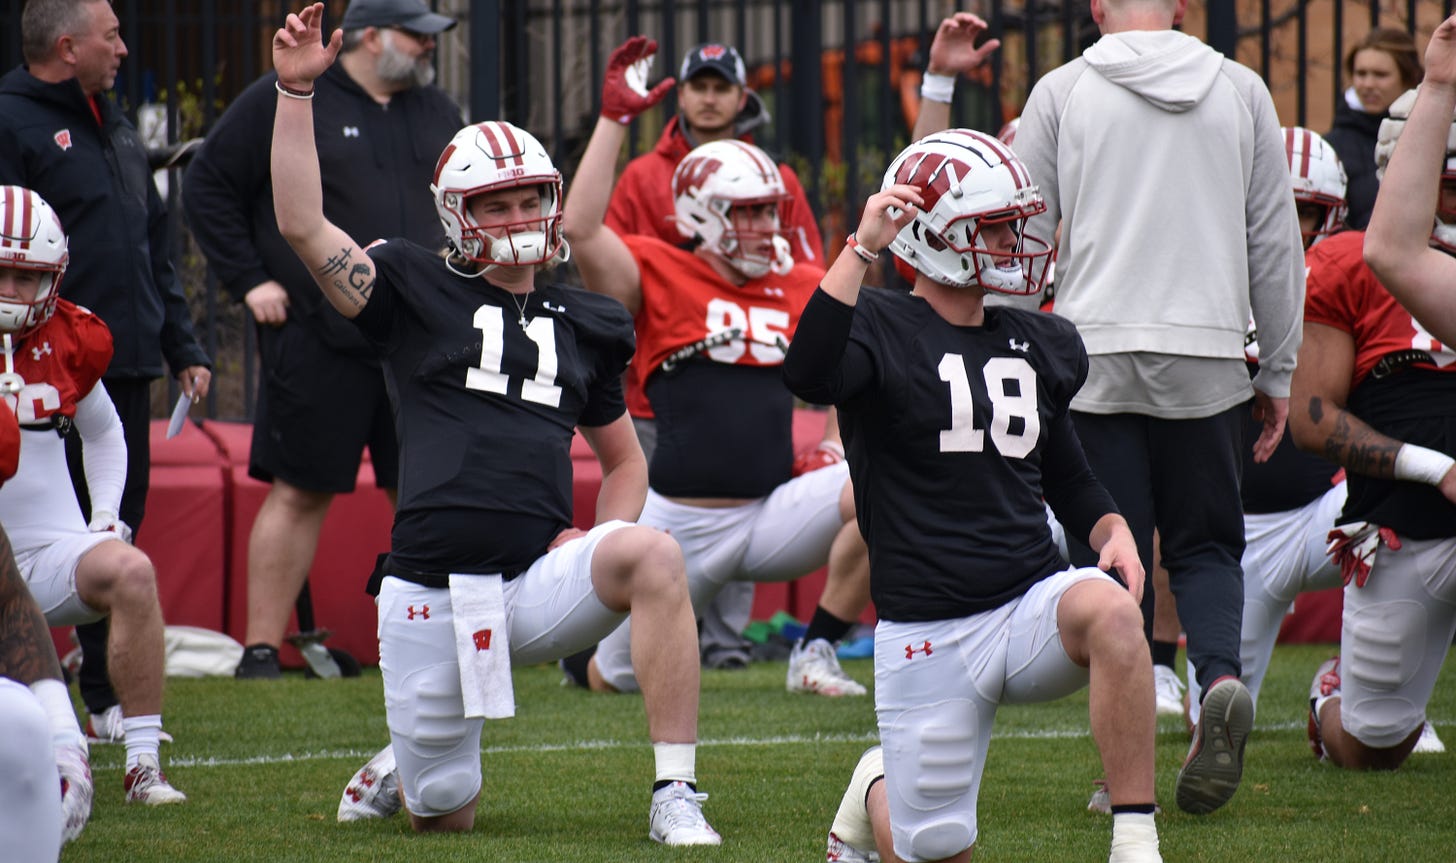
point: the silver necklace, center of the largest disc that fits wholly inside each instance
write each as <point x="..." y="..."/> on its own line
<point x="521" y="306"/>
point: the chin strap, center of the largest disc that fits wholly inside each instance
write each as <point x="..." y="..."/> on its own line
<point x="10" y="382"/>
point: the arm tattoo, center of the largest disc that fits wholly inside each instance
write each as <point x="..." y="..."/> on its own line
<point x="338" y="263"/>
<point x="26" y="651"/>
<point x="1356" y="450"/>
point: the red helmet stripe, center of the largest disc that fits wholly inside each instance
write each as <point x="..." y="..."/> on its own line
<point x="1018" y="170"/>
<point x="502" y="148"/>
<point x="444" y="157"/>
<point x="18" y="214"/>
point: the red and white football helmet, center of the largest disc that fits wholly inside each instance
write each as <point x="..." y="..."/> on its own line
<point x="1318" y="179"/>
<point x="31" y="238"/>
<point x="713" y="179"/>
<point x="969" y="181"/>
<point x="488" y="157"/>
<point x="1443" y="235"/>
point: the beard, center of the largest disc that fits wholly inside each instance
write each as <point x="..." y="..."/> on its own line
<point x="396" y="67"/>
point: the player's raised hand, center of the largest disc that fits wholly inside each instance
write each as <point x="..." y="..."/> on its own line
<point x="1441" y="54"/>
<point x="953" y="51"/>
<point x="299" y="53"/>
<point x="885" y="213"/>
<point x="624" y="89"/>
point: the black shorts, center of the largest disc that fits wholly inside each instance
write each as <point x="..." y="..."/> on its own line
<point x="317" y="410"/>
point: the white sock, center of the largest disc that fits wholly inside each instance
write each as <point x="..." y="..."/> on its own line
<point x="142" y="735"/>
<point x="676" y="762"/>
<point x="1134" y="838"/>
<point x="56" y="699"/>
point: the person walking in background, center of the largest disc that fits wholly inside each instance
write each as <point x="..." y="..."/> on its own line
<point x="1380" y="67"/>
<point x="61" y="136"/>
<point x="1162" y="296"/>
<point x="321" y="400"/>
<point x="491" y="371"/>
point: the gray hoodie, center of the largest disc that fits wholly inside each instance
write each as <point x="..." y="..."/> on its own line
<point x="1164" y="163"/>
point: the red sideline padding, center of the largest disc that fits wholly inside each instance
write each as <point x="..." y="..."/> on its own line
<point x="202" y="504"/>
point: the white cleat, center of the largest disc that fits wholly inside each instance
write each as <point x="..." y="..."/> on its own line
<point x="1430" y="743"/>
<point x="677" y="817"/>
<point x="77" y="789"/>
<point x="373" y="792"/>
<point x="813" y="667"/>
<point x="1169" y="691"/>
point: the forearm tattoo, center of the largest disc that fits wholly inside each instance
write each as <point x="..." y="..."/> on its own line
<point x="1353" y="445"/>
<point x="26" y="651"/>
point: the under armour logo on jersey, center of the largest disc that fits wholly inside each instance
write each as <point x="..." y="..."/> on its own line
<point x="423" y="611"/>
<point x="351" y="131"/>
<point x="41" y="351"/>
<point x="552" y="307"/>
<point x="1020" y="346"/>
<point x="774" y="292"/>
<point x="911" y="650"/>
<point x="481" y="637"/>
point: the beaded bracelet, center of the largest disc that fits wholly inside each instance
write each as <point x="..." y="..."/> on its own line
<point x="851" y="242"/>
<point x="291" y="93"/>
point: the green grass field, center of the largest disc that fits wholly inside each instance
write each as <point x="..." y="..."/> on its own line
<point x="567" y="780"/>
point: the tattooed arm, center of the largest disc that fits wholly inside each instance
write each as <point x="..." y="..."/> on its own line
<point x="339" y="266"/>
<point x="26" y="651"/>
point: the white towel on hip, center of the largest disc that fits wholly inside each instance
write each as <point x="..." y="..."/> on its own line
<point x="481" y="645"/>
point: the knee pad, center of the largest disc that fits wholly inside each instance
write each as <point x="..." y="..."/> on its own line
<point x="443" y="788"/>
<point x="938" y="745"/>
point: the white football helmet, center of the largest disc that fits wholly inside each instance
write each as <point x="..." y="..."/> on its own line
<point x="488" y="157"/>
<point x="1443" y="235"/>
<point x="969" y="181"/>
<point x="713" y="179"/>
<point x="1318" y="178"/>
<point x="31" y="238"/>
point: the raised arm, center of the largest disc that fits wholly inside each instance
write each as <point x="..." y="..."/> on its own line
<point x="338" y="265"/>
<point x="953" y="53"/>
<point x="605" y="264"/>
<point x="1397" y="242"/>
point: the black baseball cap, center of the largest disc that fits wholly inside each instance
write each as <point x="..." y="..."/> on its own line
<point x="412" y="15"/>
<point x="722" y="60"/>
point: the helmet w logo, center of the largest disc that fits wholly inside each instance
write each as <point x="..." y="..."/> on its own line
<point x="693" y="173"/>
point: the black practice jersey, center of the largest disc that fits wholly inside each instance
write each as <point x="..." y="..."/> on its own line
<point x="485" y="409"/>
<point x="1417" y="406"/>
<point x="953" y="436"/>
<point x="1290" y="478"/>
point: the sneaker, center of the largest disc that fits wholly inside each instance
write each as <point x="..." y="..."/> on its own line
<point x="146" y="783"/>
<point x="677" y="817"/>
<point x="1430" y="743"/>
<point x="1134" y="840"/>
<point x="105" y="727"/>
<point x="851" y="836"/>
<point x="259" y="662"/>
<point x="1215" y="763"/>
<point x="373" y="792"/>
<point x="1169" y="691"/>
<point x="813" y="667"/>
<point x="1325" y="684"/>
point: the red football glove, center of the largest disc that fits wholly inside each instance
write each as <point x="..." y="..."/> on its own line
<point x="825" y="454"/>
<point x="1353" y="546"/>
<point x="624" y="89"/>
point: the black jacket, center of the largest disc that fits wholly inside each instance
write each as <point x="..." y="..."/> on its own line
<point x="1353" y="136"/>
<point x="97" y="179"/>
<point x="376" y="162"/>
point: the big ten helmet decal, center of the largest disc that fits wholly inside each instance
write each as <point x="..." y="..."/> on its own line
<point x="31" y="238"/>
<point x="706" y="187"/>
<point x="1443" y="234"/>
<point x="1318" y="180"/>
<point x="489" y="157"/>
<point x="971" y="183"/>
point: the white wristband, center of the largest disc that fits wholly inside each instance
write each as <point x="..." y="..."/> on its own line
<point x="1419" y="464"/>
<point x="937" y="88"/>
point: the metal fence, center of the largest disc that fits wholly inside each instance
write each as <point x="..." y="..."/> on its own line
<point x="839" y="78"/>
